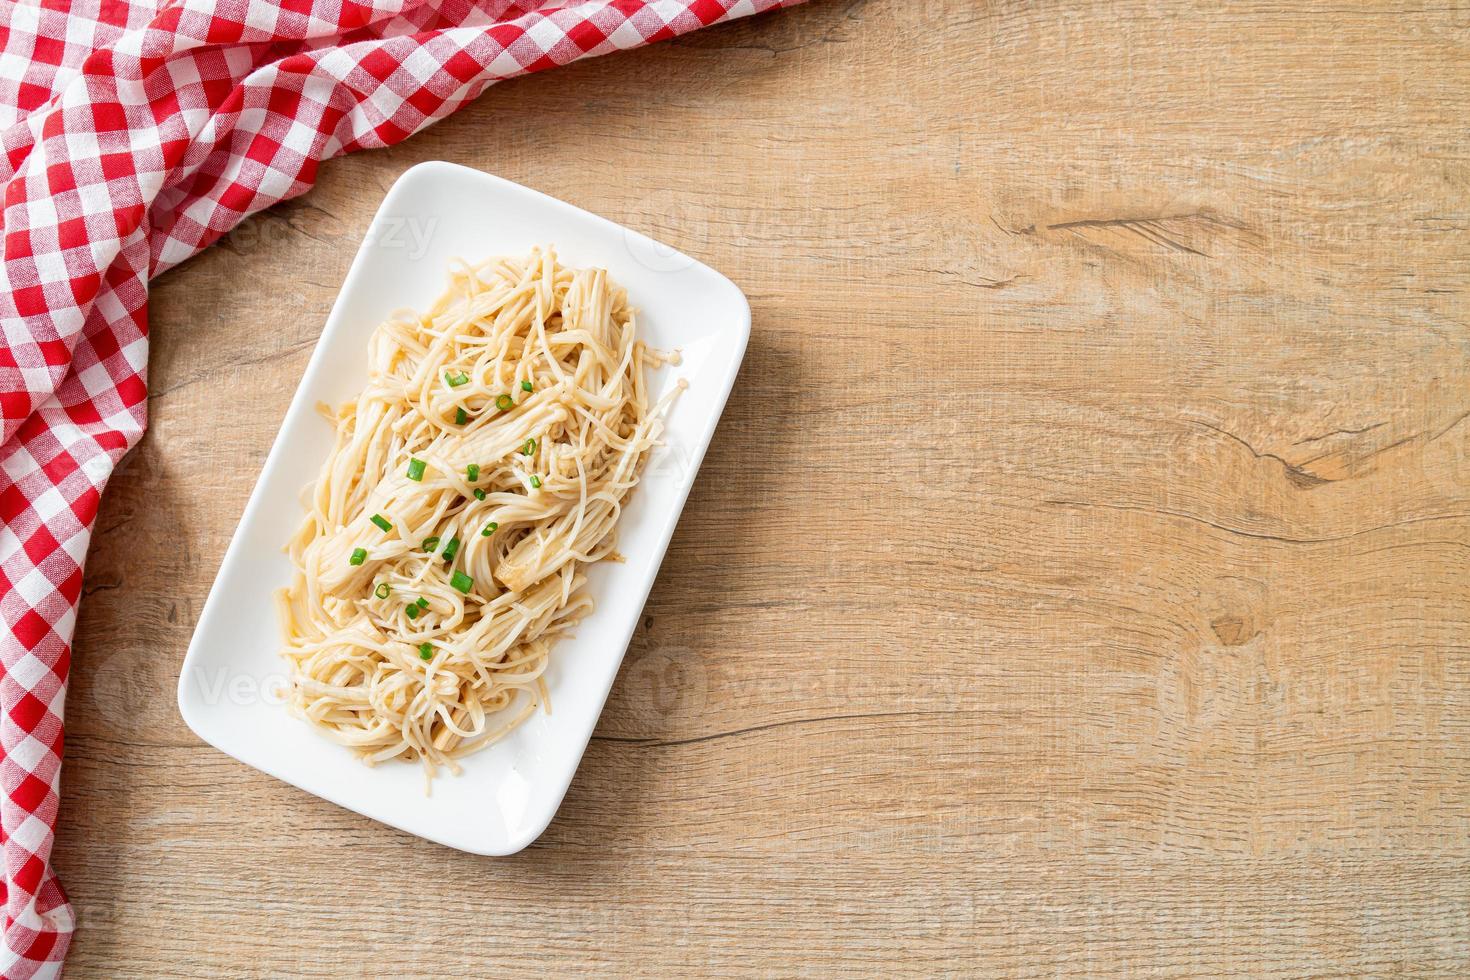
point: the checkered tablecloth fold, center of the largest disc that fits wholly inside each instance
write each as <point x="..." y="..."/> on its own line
<point x="132" y="135"/>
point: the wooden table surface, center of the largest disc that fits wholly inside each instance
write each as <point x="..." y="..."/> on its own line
<point x="1078" y="582"/>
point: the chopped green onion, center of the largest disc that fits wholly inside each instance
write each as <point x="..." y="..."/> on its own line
<point x="461" y="416"/>
<point x="421" y="602"/>
<point x="359" y="555"/>
<point x="426" y="651"/>
<point x="462" y="582"/>
<point x="489" y="529"/>
<point x="472" y="472"/>
<point x="479" y="494"/>
<point x="412" y="611"/>
<point x="526" y="386"/>
<point x="535" y="482"/>
<point x="504" y="402"/>
<point x="416" y="469"/>
<point x="456" y="379"/>
<point x="431" y="543"/>
<point x="451" y="549"/>
<point x="383" y="523"/>
<point x="382" y="590"/>
<point x="529" y="447"/>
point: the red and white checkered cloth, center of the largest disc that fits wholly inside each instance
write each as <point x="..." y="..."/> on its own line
<point x="134" y="133"/>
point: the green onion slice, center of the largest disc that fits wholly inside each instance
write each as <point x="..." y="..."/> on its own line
<point x="472" y="472"/>
<point x="416" y="469"/>
<point x="456" y="379"/>
<point x="462" y="582"/>
<point x="431" y="543"/>
<point x="426" y="651"/>
<point x="412" y="611"/>
<point x="421" y="602"/>
<point x="526" y="386"/>
<point x="461" y="416"/>
<point x="359" y="555"/>
<point x="535" y="482"/>
<point x="489" y="529"/>
<point x="382" y="590"/>
<point x="529" y="447"/>
<point x="504" y="402"/>
<point x="479" y="494"/>
<point x="383" y="523"/>
<point x="451" y="549"/>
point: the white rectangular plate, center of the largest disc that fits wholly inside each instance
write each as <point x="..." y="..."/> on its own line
<point x="232" y="675"/>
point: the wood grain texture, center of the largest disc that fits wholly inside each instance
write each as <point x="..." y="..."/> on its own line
<point x="1079" y="580"/>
